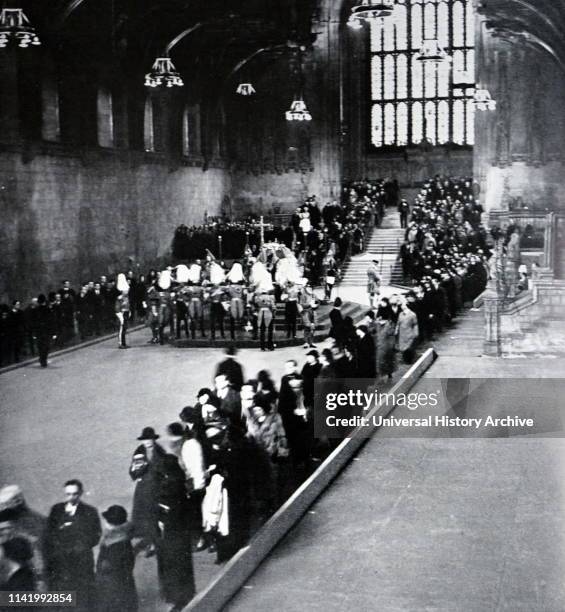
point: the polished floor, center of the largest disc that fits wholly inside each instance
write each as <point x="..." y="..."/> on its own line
<point x="435" y="525"/>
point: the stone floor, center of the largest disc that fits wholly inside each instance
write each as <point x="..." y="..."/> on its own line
<point x="79" y="418"/>
<point x="435" y="525"/>
<point x="408" y="510"/>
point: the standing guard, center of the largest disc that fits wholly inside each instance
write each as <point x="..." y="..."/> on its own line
<point x="122" y="310"/>
<point x="153" y="313"/>
<point x="290" y="297"/>
<point x="265" y="303"/>
<point x="181" y="311"/>
<point x="217" y="311"/>
<point x="195" y="295"/>
<point x="308" y="305"/>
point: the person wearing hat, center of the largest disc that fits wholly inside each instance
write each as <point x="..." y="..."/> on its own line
<point x="408" y="333"/>
<point x="404" y="211"/>
<point x="122" y="309"/>
<point x="17" y="519"/>
<point x="73" y="530"/>
<point x="310" y="371"/>
<point x="44" y="330"/>
<point x="115" y="584"/>
<point x="307" y="308"/>
<point x="336" y="320"/>
<point x="366" y="354"/>
<point x="231" y="368"/>
<point x="144" y="471"/>
<point x="373" y="282"/>
<point x="15" y="569"/>
<point x="174" y="547"/>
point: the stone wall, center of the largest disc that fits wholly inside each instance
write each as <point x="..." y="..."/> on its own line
<point x="268" y="193"/>
<point x="520" y="147"/>
<point x="78" y="217"/>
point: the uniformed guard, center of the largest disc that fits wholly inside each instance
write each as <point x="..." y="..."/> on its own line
<point x="181" y="311"/>
<point x="154" y="303"/>
<point x="265" y="303"/>
<point x="290" y="297"/>
<point x="217" y="310"/>
<point x="122" y="309"/>
<point x="308" y="304"/>
<point x="235" y="293"/>
<point x="195" y="298"/>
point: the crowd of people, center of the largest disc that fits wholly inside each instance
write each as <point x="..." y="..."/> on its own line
<point x="445" y="252"/>
<point x="319" y="240"/>
<point x="209" y="479"/>
<point x="205" y="483"/>
<point x="315" y="234"/>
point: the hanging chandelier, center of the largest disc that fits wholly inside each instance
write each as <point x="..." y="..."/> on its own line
<point x="432" y="52"/>
<point x="298" y="111"/>
<point x="245" y="89"/>
<point x="163" y="72"/>
<point x="15" y="25"/>
<point x="354" y="23"/>
<point x="370" y="10"/>
<point x="483" y="101"/>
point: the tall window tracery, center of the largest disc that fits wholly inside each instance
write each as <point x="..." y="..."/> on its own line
<point x="413" y="101"/>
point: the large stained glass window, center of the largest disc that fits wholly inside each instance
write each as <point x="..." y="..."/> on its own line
<point x="414" y="101"/>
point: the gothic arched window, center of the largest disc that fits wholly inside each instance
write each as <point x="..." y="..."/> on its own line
<point x="413" y="100"/>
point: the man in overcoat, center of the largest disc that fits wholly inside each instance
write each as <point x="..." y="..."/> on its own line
<point x="73" y="530"/>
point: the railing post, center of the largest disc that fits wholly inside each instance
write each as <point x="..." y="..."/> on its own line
<point x="493" y="307"/>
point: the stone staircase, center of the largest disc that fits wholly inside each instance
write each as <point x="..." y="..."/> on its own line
<point x="534" y="323"/>
<point x="383" y="245"/>
<point x="464" y="337"/>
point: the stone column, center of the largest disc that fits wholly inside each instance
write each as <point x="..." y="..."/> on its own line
<point x="323" y="77"/>
<point x="547" y="271"/>
<point x="493" y="307"/>
<point x="9" y="107"/>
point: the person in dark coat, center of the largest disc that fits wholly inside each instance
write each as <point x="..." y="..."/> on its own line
<point x="230" y="401"/>
<point x="73" y="530"/>
<point x="16" y="330"/>
<point x="295" y="416"/>
<point x="336" y="319"/>
<point x="115" y="584"/>
<point x="43" y="329"/>
<point x="174" y="549"/>
<point x="366" y="362"/>
<point x="144" y="470"/>
<point x="310" y="372"/>
<point x="232" y="369"/>
<point x="234" y="464"/>
<point x="15" y="556"/>
<point x="17" y="519"/>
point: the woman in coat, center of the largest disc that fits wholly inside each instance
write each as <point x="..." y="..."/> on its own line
<point x="265" y="428"/>
<point x="115" y="583"/>
<point x="174" y="549"/>
<point x="407" y="333"/>
<point x="386" y="340"/>
<point x="144" y="470"/>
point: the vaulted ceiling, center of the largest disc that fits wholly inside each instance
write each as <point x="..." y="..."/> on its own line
<point x="131" y="33"/>
<point x="537" y="23"/>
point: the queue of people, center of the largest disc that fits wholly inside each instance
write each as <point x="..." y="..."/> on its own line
<point x="210" y="479"/>
<point x="445" y="239"/>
